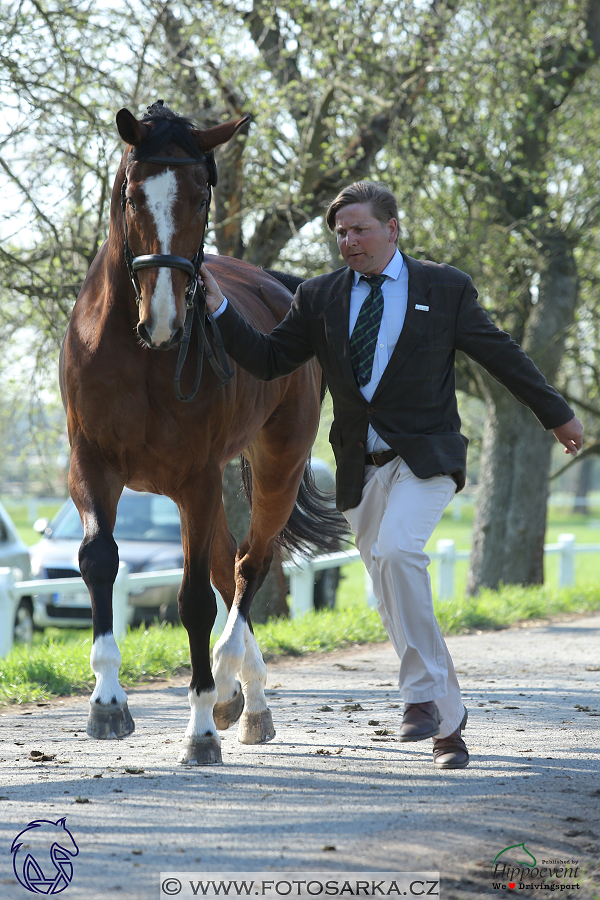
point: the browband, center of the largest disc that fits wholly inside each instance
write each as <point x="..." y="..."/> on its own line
<point x="207" y="158"/>
<point x="171" y="160"/>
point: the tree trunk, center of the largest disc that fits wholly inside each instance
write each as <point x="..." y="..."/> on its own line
<point x="510" y="515"/>
<point x="584" y="486"/>
<point x="271" y="599"/>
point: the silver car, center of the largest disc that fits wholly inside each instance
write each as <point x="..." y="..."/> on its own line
<point x="14" y="555"/>
<point x="148" y="535"/>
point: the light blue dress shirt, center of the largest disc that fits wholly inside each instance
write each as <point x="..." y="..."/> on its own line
<point x="395" y="301"/>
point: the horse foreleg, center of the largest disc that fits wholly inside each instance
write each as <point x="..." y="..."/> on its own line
<point x="198" y="507"/>
<point x="228" y="657"/>
<point x="236" y="655"/>
<point x="226" y="661"/>
<point x="95" y="492"/>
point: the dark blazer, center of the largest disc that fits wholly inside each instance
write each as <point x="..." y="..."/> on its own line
<point x="414" y="408"/>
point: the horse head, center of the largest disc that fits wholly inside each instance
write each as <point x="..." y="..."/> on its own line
<point x="169" y="172"/>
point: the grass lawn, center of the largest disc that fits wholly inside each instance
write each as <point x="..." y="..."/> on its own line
<point x="58" y="661"/>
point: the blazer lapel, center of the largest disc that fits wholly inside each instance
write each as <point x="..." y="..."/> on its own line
<point x="337" y="316"/>
<point x="415" y="322"/>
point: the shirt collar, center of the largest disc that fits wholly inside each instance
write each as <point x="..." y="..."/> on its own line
<point x="392" y="270"/>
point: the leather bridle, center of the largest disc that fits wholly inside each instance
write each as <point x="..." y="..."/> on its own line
<point x="192" y="267"/>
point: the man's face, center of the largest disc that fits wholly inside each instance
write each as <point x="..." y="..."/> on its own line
<point x="366" y="244"/>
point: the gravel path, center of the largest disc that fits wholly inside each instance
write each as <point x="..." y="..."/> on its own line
<point x="333" y="791"/>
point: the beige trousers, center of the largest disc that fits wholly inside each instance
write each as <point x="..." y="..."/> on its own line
<point x="394" y="520"/>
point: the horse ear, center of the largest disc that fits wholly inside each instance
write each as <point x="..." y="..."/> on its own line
<point x="218" y="134"/>
<point x="129" y="128"/>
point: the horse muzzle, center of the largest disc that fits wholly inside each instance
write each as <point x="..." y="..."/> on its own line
<point x="147" y="339"/>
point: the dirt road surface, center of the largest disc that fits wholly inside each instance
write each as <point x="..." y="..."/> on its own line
<point x="335" y="791"/>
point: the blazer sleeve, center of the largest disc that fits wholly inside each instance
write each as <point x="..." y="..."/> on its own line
<point x="499" y="355"/>
<point x="268" y="356"/>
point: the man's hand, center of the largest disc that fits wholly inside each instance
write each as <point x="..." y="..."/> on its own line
<point x="214" y="297"/>
<point x="571" y="435"/>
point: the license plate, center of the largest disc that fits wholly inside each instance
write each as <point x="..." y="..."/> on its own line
<point x="80" y="600"/>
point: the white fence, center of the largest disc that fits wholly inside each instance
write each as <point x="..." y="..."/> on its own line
<point x="125" y="583"/>
<point x="302" y="571"/>
<point x="302" y="580"/>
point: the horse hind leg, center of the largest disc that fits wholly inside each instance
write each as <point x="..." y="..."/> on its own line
<point x="256" y="724"/>
<point x="274" y="495"/>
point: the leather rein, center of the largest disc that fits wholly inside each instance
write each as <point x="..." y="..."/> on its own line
<point x="220" y="362"/>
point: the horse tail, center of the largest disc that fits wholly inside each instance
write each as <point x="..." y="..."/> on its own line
<point x="315" y="526"/>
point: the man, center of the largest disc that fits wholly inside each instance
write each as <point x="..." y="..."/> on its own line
<point x="384" y="330"/>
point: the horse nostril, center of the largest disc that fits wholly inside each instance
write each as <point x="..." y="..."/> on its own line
<point x="144" y="333"/>
<point x="176" y="337"/>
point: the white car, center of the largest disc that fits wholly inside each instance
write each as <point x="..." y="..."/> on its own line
<point x="148" y="535"/>
<point x="14" y="555"/>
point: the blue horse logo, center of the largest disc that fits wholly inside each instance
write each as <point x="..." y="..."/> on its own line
<point x="42" y="855"/>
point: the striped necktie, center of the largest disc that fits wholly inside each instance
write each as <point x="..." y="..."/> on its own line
<point x="364" y="335"/>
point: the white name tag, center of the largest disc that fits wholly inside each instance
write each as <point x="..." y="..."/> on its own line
<point x="424" y="308"/>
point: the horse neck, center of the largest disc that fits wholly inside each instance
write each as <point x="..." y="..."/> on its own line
<point x="115" y="257"/>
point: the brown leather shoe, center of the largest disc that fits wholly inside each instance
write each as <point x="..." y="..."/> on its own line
<point x="451" y="752"/>
<point x="420" y="721"/>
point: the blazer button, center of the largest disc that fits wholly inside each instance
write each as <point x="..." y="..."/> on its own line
<point x="360" y="444"/>
<point x="370" y="410"/>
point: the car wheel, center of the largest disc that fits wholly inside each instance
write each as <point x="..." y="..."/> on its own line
<point x="326" y="585"/>
<point x="23" y="633"/>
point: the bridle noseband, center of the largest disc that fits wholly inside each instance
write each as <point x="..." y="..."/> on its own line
<point x="192" y="267"/>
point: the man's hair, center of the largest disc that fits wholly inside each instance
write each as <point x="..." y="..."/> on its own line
<point x="383" y="203"/>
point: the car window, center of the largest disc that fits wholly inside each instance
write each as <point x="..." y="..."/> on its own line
<point x="3" y="533"/>
<point x="140" y="517"/>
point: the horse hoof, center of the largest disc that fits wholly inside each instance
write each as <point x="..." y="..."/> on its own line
<point x="256" y="728"/>
<point x="204" y="751"/>
<point x="109" y="721"/>
<point x="229" y="711"/>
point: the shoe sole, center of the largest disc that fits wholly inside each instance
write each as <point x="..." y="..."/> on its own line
<point x="418" y="737"/>
<point x="462" y="765"/>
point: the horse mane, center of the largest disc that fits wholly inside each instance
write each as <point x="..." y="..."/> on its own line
<point x="167" y="128"/>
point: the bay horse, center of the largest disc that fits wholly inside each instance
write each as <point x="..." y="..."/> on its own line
<point x="119" y="371"/>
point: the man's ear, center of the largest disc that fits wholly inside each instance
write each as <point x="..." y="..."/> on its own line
<point x="218" y="134"/>
<point x="131" y="131"/>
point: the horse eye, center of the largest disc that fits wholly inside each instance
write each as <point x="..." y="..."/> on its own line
<point x="131" y="204"/>
<point x="201" y="206"/>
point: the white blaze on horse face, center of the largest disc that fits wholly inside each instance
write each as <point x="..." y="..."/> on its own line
<point x="105" y="660"/>
<point x="161" y="193"/>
